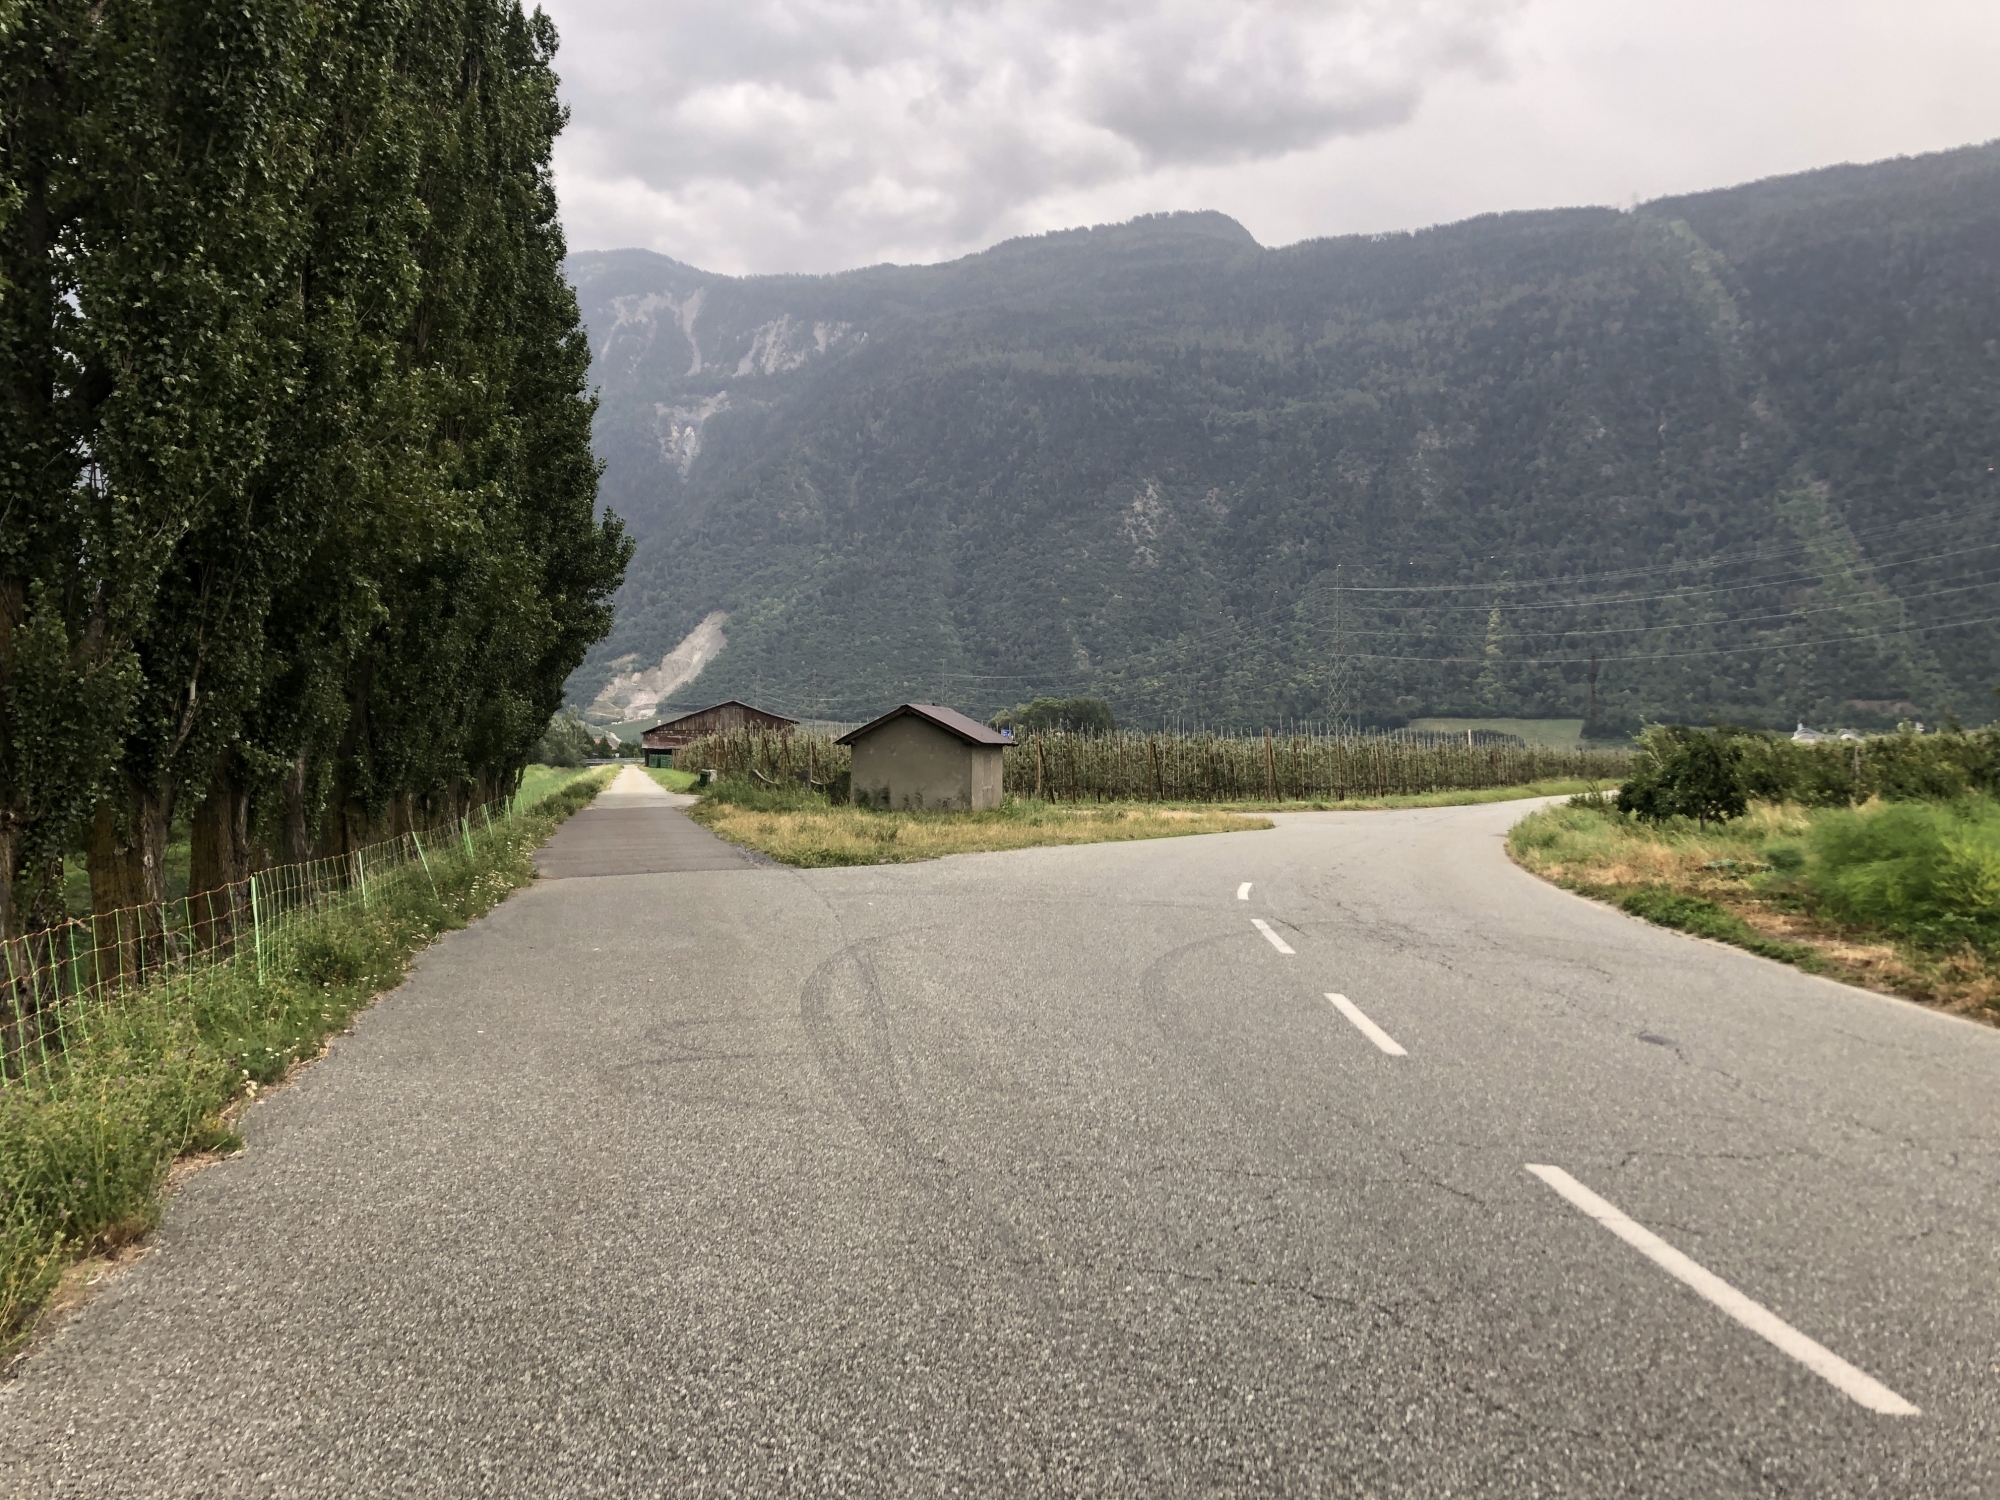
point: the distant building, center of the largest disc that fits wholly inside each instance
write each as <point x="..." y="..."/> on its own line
<point x="662" y="740"/>
<point x="922" y="755"/>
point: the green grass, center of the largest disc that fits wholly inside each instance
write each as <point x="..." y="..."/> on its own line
<point x="1704" y="918"/>
<point x="538" y="782"/>
<point x="1903" y="897"/>
<point x="672" y="780"/>
<point x="85" y="1145"/>
<point x="1925" y="871"/>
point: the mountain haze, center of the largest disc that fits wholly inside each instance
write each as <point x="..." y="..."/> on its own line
<point x="1739" y="446"/>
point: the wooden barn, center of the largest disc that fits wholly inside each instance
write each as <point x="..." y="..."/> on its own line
<point x="925" y="755"/>
<point x="662" y="740"/>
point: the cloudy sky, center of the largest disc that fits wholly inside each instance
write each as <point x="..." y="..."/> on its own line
<point x="815" y="135"/>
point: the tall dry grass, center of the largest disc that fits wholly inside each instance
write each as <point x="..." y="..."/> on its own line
<point x="800" y="828"/>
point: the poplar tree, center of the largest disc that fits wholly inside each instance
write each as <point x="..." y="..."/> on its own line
<point x="299" y="506"/>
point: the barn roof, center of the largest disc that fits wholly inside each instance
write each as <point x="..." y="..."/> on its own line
<point x="762" y="713"/>
<point x="950" y="720"/>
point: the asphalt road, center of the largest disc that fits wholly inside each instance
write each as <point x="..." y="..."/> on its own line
<point x="1049" y="1173"/>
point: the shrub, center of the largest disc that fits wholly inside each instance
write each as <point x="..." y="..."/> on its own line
<point x="1895" y="767"/>
<point x="1686" y="773"/>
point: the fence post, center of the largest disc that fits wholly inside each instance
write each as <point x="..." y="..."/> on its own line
<point x="465" y="833"/>
<point x="20" y="1016"/>
<point x="257" y="930"/>
<point x="427" y="863"/>
<point x="361" y="877"/>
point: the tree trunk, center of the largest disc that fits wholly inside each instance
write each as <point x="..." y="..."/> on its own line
<point x="10" y="844"/>
<point x="128" y="883"/>
<point x="219" y="858"/>
<point x="298" y="836"/>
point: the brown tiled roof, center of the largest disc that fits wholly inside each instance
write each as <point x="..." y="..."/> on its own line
<point x="950" y="720"/>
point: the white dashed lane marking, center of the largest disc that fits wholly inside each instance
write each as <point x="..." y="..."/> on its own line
<point x="1243" y="891"/>
<point x="1367" y="1027"/>
<point x="1823" y="1362"/>
<point x="1269" y="936"/>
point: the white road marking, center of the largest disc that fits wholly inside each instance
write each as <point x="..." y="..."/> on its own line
<point x="1271" y="937"/>
<point x="1367" y="1027"/>
<point x="1243" y="891"/>
<point x="1822" y="1361"/>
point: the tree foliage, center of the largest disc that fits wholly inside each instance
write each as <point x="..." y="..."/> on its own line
<point x="1070" y="715"/>
<point x="1710" y="774"/>
<point x="300" y="513"/>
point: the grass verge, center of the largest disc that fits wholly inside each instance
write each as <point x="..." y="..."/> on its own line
<point x="86" y="1145"/>
<point x="1410" y="799"/>
<point x="1777" y="882"/>
<point x="802" y="828"/>
<point x="672" y="780"/>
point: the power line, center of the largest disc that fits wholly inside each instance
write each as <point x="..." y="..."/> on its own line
<point x="1566" y="661"/>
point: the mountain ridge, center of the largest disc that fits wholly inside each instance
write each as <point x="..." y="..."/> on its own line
<point x="1161" y="462"/>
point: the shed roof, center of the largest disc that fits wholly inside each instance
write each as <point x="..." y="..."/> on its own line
<point x="762" y="713"/>
<point x="950" y="720"/>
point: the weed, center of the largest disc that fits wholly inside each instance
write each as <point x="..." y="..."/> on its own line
<point x="1703" y="918"/>
<point x="1929" y="872"/>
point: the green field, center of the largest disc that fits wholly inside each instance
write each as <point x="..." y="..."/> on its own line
<point x="538" y="781"/>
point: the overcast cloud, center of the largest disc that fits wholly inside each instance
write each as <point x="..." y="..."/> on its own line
<point x="814" y="135"/>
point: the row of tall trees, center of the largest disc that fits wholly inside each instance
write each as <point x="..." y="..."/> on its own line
<point x="297" y="504"/>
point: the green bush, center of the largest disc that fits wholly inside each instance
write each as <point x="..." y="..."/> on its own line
<point x="1925" y="871"/>
<point x="1686" y="773"/>
<point x="1895" y="767"/>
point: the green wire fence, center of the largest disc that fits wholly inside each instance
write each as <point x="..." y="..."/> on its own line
<point x="53" y="981"/>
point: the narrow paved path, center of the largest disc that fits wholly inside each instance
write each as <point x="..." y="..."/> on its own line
<point x="636" y="827"/>
<point x="1054" y="1173"/>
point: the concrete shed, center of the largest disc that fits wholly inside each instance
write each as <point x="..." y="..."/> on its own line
<point x="922" y="755"/>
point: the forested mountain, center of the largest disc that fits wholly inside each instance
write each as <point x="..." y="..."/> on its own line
<point x="1739" y="447"/>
